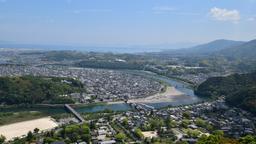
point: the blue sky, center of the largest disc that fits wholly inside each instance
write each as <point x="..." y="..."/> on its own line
<point x="126" y="22"/>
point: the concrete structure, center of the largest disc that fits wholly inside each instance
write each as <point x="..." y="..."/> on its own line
<point x="77" y="115"/>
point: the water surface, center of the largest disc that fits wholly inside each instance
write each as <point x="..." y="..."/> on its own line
<point x="179" y="85"/>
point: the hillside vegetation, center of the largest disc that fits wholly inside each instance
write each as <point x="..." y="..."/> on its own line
<point x="244" y="51"/>
<point x="34" y="90"/>
<point x="214" y="46"/>
<point x="239" y="89"/>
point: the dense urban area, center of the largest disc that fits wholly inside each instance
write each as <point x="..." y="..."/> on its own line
<point x="224" y="113"/>
<point x="127" y="72"/>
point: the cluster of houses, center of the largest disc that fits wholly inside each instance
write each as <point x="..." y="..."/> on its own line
<point x="104" y="133"/>
<point x="234" y="122"/>
<point x="103" y="85"/>
<point x="195" y="74"/>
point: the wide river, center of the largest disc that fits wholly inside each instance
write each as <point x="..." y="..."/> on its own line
<point x="179" y="85"/>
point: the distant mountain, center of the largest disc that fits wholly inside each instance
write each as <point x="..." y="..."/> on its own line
<point x="208" y="48"/>
<point x="243" y="51"/>
<point x="214" y="46"/>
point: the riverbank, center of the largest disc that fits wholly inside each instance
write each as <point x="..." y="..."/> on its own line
<point x="151" y="74"/>
<point x="34" y="107"/>
<point x="178" y="93"/>
<point x="20" y="129"/>
<point x="14" y="117"/>
<point x="169" y="95"/>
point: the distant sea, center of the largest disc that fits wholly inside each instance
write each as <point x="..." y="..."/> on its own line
<point x="116" y="49"/>
<point x="85" y="49"/>
<point x="105" y="49"/>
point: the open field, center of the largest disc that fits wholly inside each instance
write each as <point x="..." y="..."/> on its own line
<point x="14" y="117"/>
<point x="149" y="134"/>
<point x="22" y="128"/>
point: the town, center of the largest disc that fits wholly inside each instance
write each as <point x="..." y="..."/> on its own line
<point x="182" y="123"/>
<point x="144" y="124"/>
<point x="100" y="85"/>
<point x="127" y="72"/>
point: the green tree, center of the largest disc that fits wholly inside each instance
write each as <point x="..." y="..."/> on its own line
<point x="218" y="133"/>
<point x="85" y="129"/>
<point x="217" y="138"/>
<point x="72" y="129"/>
<point x="171" y="123"/>
<point x="29" y="136"/>
<point x="238" y="89"/>
<point x="186" y="115"/>
<point x="200" y="122"/>
<point x="185" y="123"/>
<point x="193" y="133"/>
<point x="156" y="123"/>
<point x="36" y="89"/>
<point x="181" y="142"/>
<point x="18" y="141"/>
<point x="2" y="139"/>
<point x="249" y="139"/>
<point x="212" y="139"/>
<point x="120" y="137"/>
<point x="86" y="138"/>
<point x="36" y="130"/>
<point x="74" y="137"/>
<point x="138" y="133"/>
<point x="49" y="140"/>
<point x="125" y="122"/>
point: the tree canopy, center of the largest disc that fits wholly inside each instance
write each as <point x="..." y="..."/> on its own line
<point x="35" y="89"/>
<point x="239" y="90"/>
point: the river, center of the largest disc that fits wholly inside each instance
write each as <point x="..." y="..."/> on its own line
<point x="179" y="85"/>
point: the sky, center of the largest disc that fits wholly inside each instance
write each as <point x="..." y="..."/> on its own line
<point x="126" y="22"/>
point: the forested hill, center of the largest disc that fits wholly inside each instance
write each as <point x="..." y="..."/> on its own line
<point x="239" y="89"/>
<point x="214" y="46"/>
<point x="34" y="90"/>
<point x="244" y="51"/>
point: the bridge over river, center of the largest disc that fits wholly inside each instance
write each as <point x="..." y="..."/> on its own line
<point x="76" y="114"/>
<point x="181" y="86"/>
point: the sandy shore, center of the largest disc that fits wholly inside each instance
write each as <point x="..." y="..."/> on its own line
<point x="22" y="128"/>
<point x="169" y="95"/>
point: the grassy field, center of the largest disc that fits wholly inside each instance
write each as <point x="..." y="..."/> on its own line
<point x="9" y="117"/>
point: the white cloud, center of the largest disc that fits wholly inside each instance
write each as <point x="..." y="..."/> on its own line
<point x="224" y="14"/>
